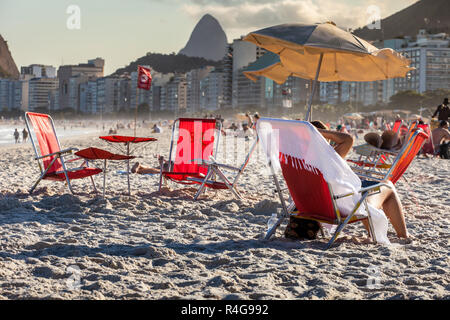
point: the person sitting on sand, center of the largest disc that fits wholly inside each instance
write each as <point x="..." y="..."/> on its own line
<point x="387" y="200"/>
<point x="255" y="121"/>
<point x="246" y="131"/>
<point x="441" y="140"/>
<point x="233" y="127"/>
<point x="156" y="129"/>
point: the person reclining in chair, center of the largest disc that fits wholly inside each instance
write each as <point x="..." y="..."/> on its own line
<point x="387" y="199"/>
<point x="441" y="140"/>
<point x="140" y="169"/>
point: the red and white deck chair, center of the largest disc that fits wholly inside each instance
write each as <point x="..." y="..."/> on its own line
<point x="50" y="157"/>
<point x="320" y="183"/>
<point x="376" y="164"/>
<point x="195" y="152"/>
<point x="397" y="124"/>
<point x="428" y="147"/>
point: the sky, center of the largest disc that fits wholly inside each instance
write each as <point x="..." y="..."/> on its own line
<point x="47" y="31"/>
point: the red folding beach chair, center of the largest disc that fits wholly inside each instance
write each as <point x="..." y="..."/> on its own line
<point x="50" y="157"/>
<point x="372" y="167"/>
<point x="428" y="147"/>
<point x="397" y="125"/>
<point x="303" y="156"/>
<point x="195" y="163"/>
<point x="198" y="140"/>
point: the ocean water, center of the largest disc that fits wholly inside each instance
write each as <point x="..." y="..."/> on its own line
<point x="7" y="137"/>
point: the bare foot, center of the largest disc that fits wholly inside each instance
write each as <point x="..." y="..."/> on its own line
<point x="135" y="167"/>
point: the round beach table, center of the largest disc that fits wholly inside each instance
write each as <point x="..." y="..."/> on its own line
<point x="127" y="141"/>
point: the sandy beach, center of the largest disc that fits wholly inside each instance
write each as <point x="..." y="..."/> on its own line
<point x="54" y="245"/>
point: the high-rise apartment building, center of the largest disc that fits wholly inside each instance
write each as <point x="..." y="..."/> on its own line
<point x="71" y="76"/>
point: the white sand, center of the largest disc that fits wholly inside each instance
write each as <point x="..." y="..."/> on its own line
<point x="151" y="246"/>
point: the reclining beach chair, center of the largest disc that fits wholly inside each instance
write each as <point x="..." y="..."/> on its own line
<point x="397" y="124"/>
<point x="376" y="164"/>
<point x="195" y="152"/>
<point x="50" y="157"/>
<point x="320" y="183"/>
<point x="428" y="147"/>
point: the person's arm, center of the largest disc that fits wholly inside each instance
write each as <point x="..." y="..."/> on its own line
<point x="343" y="141"/>
<point x="446" y="136"/>
<point x="436" y="112"/>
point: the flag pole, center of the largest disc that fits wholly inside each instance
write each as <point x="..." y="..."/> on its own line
<point x="137" y="101"/>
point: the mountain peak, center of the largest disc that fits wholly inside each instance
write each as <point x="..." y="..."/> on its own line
<point x="207" y="40"/>
<point x="8" y="68"/>
<point x="431" y="15"/>
<point x="207" y="16"/>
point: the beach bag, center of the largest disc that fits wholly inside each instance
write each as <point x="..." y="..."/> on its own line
<point x="301" y="229"/>
<point x="444" y="150"/>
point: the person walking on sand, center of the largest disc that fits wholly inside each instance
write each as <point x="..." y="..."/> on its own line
<point x="16" y="135"/>
<point x="24" y="135"/>
<point x="442" y="111"/>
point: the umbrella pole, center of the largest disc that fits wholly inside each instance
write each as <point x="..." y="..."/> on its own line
<point x="309" y="112"/>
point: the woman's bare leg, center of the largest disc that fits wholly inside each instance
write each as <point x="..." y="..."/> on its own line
<point x="389" y="201"/>
<point x="139" y="169"/>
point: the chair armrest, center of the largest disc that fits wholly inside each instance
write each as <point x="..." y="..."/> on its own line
<point x="61" y="152"/>
<point x="375" y="186"/>
<point x="74" y="159"/>
<point x="208" y="163"/>
<point x="367" y="149"/>
<point x="362" y="190"/>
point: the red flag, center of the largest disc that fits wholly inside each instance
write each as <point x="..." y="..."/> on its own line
<point x="144" y="78"/>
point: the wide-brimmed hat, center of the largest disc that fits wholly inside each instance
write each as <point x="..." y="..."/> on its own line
<point x="373" y="139"/>
<point x="388" y="140"/>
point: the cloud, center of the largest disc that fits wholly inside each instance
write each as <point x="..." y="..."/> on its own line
<point x="241" y="16"/>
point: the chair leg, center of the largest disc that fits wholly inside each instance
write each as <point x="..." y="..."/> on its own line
<point x="35" y="184"/>
<point x="227" y="183"/>
<point x="283" y="205"/>
<point x="160" y="174"/>
<point x="202" y="187"/>
<point x="369" y="218"/>
<point x="93" y="184"/>
<point x="43" y="174"/>
<point x="336" y="234"/>
<point x="69" y="185"/>
<point x="346" y="221"/>
<point x="104" y="177"/>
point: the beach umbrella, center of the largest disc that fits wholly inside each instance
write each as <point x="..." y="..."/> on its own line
<point x="324" y="52"/>
<point x="269" y="66"/>
<point x="414" y="117"/>
<point x="353" y="116"/>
